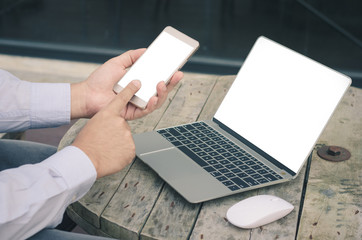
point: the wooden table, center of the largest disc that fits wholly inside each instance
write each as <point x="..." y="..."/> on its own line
<point x="135" y="203"/>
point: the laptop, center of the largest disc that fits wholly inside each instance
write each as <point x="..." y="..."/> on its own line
<point x="262" y="133"/>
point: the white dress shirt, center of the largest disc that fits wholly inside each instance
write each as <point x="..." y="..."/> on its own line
<point x="34" y="197"/>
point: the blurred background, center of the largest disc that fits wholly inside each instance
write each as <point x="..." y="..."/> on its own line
<point x="328" y="31"/>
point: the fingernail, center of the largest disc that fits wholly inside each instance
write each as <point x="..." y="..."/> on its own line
<point x="137" y="83"/>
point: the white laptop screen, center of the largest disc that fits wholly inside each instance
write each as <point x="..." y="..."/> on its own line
<point x="281" y="101"/>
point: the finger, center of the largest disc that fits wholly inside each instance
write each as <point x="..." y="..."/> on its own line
<point x="176" y="78"/>
<point x="123" y="97"/>
<point x="128" y="58"/>
<point x="161" y="94"/>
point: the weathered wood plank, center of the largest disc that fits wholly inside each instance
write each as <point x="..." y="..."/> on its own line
<point x="217" y="95"/>
<point x="333" y="202"/>
<point x="84" y="224"/>
<point x="185" y="107"/>
<point x="172" y="217"/>
<point x="126" y="212"/>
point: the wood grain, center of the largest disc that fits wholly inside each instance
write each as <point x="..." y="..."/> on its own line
<point x="333" y="201"/>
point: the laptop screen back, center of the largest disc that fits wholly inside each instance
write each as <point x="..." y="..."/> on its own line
<point x="281" y="101"/>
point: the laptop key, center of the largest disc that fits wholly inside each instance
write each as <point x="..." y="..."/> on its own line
<point x="196" y="149"/>
<point x="230" y="175"/>
<point x="227" y="183"/>
<point x="206" y="157"/>
<point x="205" y="139"/>
<point x="186" y="141"/>
<point x="256" y="167"/>
<point x="233" y="188"/>
<point x="210" y="143"/>
<point x="238" y="163"/>
<point x="236" y="170"/>
<point x="270" y="177"/>
<point x="242" y="175"/>
<point x="181" y="129"/>
<point x="181" y="138"/>
<point x="232" y="158"/>
<point x="218" y="166"/>
<point x="221" y="178"/>
<point x="190" y="136"/>
<point x="224" y="162"/>
<point x="249" y="163"/>
<point x="213" y="154"/>
<point x="221" y="150"/>
<point x="230" y="166"/>
<point x="238" y="154"/>
<point x="250" y="171"/>
<point x="189" y="127"/>
<point x="239" y="182"/>
<point x="208" y="149"/>
<point x="262" y="171"/>
<point x="256" y="176"/>
<point x="212" y="162"/>
<point x="173" y="132"/>
<point x="170" y="139"/>
<point x="226" y="154"/>
<point x="176" y="143"/>
<point x="215" y="174"/>
<point x="191" y="145"/>
<point x="224" y="170"/>
<point x="210" y="169"/>
<point x="201" y="154"/>
<point x="215" y="146"/>
<point x="193" y="156"/>
<point x="262" y="180"/>
<point x="244" y="167"/>
<point x="250" y="181"/>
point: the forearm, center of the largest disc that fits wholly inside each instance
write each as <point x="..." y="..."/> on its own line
<point x="25" y="105"/>
<point x="34" y="197"/>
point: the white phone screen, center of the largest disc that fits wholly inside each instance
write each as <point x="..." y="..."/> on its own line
<point x="160" y="61"/>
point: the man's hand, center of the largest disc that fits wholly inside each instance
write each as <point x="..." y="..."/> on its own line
<point x="91" y="95"/>
<point x="106" y="139"/>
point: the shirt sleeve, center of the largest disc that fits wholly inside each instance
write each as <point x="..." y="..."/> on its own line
<point x="34" y="197"/>
<point x="25" y="105"/>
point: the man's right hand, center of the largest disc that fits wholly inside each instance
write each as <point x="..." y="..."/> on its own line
<point x="106" y="139"/>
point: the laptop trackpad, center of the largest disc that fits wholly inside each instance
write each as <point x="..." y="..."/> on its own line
<point x="184" y="175"/>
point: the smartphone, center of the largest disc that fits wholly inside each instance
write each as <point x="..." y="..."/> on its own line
<point x="166" y="55"/>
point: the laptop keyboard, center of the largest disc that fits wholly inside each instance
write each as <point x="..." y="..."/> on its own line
<point x="220" y="157"/>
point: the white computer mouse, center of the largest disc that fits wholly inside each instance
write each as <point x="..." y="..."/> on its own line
<point x="259" y="210"/>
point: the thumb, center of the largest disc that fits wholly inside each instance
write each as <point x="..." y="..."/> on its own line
<point x="124" y="96"/>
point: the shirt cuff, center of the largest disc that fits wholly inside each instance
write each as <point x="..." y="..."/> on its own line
<point x="50" y="104"/>
<point x="75" y="168"/>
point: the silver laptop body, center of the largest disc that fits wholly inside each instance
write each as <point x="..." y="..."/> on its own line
<point x="274" y="113"/>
